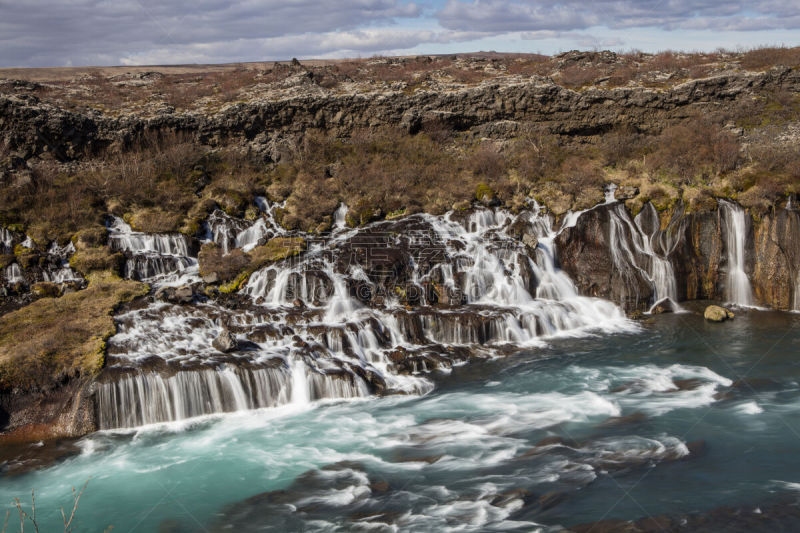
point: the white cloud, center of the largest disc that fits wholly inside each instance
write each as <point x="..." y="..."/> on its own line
<point x="566" y="15"/>
<point x="102" y="32"/>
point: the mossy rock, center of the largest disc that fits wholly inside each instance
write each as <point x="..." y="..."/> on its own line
<point x="19" y="249"/>
<point x="251" y="213"/>
<point x="399" y="213"/>
<point x="53" y="339"/>
<point x="484" y="194"/>
<point x="235" y="284"/>
<point x="154" y="220"/>
<point x="325" y="225"/>
<point x="46" y="289"/>
<point x="463" y="205"/>
<point x="232" y="202"/>
<point x="362" y="212"/>
<point x="29" y="260"/>
<point x="90" y="260"/>
<point x="197" y="214"/>
<point x="234" y="269"/>
<point x="215" y="266"/>
<point x="6" y="260"/>
<point x="90" y="238"/>
<point x="275" y="250"/>
<point x="554" y="198"/>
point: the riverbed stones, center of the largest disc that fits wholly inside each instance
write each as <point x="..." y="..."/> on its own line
<point x="716" y="313"/>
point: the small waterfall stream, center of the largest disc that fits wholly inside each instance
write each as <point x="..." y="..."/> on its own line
<point x="13" y="274"/>
<point x="737" y="288"/>
<point x="6" y="241"/>
<point x="230" y="232"/>
<point x="162" y="257"/>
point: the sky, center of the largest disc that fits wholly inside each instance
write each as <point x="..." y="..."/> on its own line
<point x="39" y="33"/>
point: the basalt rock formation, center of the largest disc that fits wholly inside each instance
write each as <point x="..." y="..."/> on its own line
<point x="695" y="244"/>
<point x="495" y="108"/>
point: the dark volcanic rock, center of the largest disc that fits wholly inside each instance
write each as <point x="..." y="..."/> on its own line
<point x="31" y="127"/>
<point x="585" y="252"/>
<point x="225" y="342"/>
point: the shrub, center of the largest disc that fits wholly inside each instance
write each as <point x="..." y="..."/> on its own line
<point x="699" y="148"/>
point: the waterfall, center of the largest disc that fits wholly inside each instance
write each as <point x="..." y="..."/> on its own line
<point x="737" y="286"/>
<point x="13" y="274"/>
<point x="631" y="244"/>
<point x="610" y="193"/>
<point x="150" y="256"/>
<point x="796" y="301"/>
<point x="148" y="397"/>
<point x="123" y="238"/>
<point x="223" y="229"/>
<point x="339" y="217"/>
<point x="230" y="232"/>
<point x="6" y="241"/>
<point x="60" y="272"/>
<point x="354" y="330"/>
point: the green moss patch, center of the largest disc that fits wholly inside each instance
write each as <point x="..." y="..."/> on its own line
<point x="274" y="250"/>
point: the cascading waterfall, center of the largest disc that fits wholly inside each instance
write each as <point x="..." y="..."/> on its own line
<point x="13" y="274"/>
<point x="60" y="255"/>
<point x="146" y="398"/>
<point x="632" y="249"/>
<point x="6" y="241"/>
<point x="351" y="332"/>
<point x="796" y="305"/>
<point x="164" y="257"/>
<point x="230" y="232"/>
<point x="737" y="287"/>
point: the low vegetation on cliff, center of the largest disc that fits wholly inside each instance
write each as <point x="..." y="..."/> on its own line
<point x="53" y="339"/>
<point x="162" y="179"/>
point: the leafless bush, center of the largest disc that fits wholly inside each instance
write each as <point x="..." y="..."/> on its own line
<point x="694" y="149"/>
<point x="25" y="517"/>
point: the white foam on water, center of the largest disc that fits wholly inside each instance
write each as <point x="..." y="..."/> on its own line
<point x="749" y="408"/>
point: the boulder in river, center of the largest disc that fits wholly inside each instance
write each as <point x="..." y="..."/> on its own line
<point x="716" y="313"/>
<point x="176" y="295"/>
<point x="225" y="342"/>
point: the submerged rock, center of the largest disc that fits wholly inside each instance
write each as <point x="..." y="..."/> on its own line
<point x="716" y="313"/>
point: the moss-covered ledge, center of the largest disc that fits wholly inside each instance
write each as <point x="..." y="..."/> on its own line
<point x="53" y="339"/>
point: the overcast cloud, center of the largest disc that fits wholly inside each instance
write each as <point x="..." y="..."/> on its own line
<point x="109" y="32"/>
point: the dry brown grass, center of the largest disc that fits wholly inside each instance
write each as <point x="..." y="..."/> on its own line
<point x="213" y="262"/>
<point x="577" y="76"/>
<point x="53" y="339"/>
<point x="765" y="57"/>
